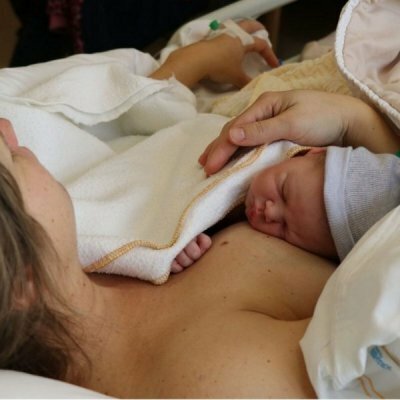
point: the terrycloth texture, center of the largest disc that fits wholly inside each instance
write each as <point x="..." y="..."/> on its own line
<point x="138" y="208"/>
<point x="319" y="74"/>
<point x="318" y="48"/>
<point x="360" y="188"/>
<point x="90" y="89"/>
<point x="52" y="103"/>
<point x="62" y="147"/>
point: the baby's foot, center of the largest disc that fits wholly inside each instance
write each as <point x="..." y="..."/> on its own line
<point x="191" y="253"/>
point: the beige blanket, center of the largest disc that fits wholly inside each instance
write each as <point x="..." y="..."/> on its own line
<point x="365" y="63"/>
<point x="319" y="74"/>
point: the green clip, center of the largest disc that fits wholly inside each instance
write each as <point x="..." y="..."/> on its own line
<point x="397" y="153"/>
<point x="214" y="25"/>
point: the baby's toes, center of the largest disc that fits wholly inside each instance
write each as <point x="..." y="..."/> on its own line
<point x="191" y="253"/>
<point x="184" y="259"/>
<point x="204" y="242"/>
<point x="176" y="267"/>
<point x="193" y="250"/>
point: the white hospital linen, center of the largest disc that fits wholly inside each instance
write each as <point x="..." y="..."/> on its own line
<point x="352" y="346"/>
<point x="137" y="208"/>
<point x="90" y="89"/>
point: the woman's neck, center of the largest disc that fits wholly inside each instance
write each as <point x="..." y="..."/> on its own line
<point x="109" y="317"/>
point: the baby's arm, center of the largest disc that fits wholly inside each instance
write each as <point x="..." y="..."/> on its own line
<point x="191" y="253"/>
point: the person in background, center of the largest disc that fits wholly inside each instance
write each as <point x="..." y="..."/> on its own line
<point x="53" y="29"/>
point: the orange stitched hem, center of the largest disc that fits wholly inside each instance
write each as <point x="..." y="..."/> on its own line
<point x="124" y="249"/>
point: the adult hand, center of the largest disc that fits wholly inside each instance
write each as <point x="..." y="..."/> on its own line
<point x="226" y="54"/>
<point x="305" y="117"/>
<point x="218" y="59"/>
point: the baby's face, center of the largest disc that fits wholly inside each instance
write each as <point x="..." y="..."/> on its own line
<point x="287" y="201"/>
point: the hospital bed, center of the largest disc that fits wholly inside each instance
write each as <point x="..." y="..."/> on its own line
<point x="14" y="384"/>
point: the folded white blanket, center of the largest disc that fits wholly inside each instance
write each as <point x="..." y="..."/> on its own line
<point x="138" y="208"/>
<point x="90" y="89"/>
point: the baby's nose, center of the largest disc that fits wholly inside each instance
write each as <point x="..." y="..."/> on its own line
<point x="272" y="212"/>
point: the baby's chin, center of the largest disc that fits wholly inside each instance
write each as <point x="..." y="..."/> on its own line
<point x="259" y="227"/>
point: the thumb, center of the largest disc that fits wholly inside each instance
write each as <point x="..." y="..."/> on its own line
<point x="259" y="132"/>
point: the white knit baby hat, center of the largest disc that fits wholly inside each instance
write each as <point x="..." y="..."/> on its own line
<point x="360" y="188"/>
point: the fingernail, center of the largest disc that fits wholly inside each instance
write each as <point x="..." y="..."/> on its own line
<point x="237" y="134"/>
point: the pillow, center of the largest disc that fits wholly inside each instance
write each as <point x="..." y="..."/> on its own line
<point x="352" y="345"/>
<point x="367" y="52"/>
<point x="21" y="385"/>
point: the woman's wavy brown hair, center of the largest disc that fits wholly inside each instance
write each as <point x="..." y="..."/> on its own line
<point x="34" y="337"/>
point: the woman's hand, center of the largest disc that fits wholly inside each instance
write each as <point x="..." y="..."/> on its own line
<point x="218" y="59"/>
<point x="306" y="117"/>
<point x="226" y="54"/>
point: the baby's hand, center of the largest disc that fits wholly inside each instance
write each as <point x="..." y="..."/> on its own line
<point x="191" y="253"/>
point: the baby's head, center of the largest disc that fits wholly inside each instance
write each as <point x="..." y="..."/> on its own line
<point x="287" y="201"/>
<point x="324" y="199"/>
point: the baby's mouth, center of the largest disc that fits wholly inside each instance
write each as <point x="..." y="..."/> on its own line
<point x="252" y="213"/>
<point x="253" y="210"/>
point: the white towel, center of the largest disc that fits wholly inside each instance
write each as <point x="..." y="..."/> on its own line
<point x="90" y="89"/>
<point x="138" y="208"/>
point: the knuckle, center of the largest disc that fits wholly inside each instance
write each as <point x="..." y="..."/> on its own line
<point x="258" y="129"/>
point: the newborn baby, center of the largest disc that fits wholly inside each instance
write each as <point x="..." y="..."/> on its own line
<point x="286" y="200"/>
<point x="321" y="199"/>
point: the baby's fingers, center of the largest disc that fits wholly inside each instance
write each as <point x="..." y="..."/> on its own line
<point x="175" y="267"/>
